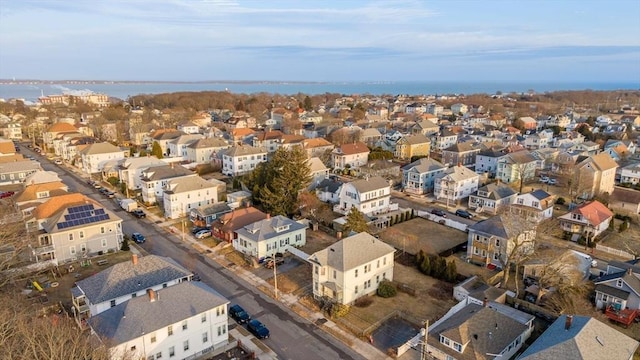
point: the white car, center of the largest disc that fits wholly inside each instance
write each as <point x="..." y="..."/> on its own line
<point x="203" y="234"/>
<point x="552" y="182"/>
<point x="544" y="179"/>
<point x="58" y="162"/>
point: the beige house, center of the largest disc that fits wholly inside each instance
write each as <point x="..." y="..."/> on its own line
<point x="594" y="176"/>
<point x="351" y="268"/>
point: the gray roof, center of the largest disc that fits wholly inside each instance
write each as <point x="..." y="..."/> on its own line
<point x="370" y="184"/>
<point x="497" y="192"/>
<point x="483" y="330"/>
<point x="19" y="166"/>
<point x="100" y="148"/>
<point x="425" y="165"/>
<point x="186" y="139"/>
<point x="352" y="252"/>
<point x="266" y="229"/>
<point x="241" y="150"/>
<point x="540" y="194"/>
<point x="587" y="338"/>
<point x="186" y="184"/>
<point x="126" y="278"/>
<point x="329" y="185"/>
<point x="610" y="290"/>
<point x="138" y="316"/>
<point x="209" y="143"/>
<point x="168" y="135"/>
<point x="165" y="172"/>
<point x="496" y="226"/>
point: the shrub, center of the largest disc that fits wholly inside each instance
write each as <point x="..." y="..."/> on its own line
<point x="623" y="226"/>
<point x="363" y="301"/>
<point x="125" y="244"/>
<point x="113" y="180"/>
<point x="339" y="310"/>
<point x="386" y="290"/>
<point x="425" y="266"/>
<point x="451" y="273"/>
<point x="561" y="201"/>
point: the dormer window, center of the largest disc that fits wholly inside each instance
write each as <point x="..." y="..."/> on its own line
<point x="619" y="283"/>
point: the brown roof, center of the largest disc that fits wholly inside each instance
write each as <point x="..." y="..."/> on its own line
<point x="355" y="148"/>
<point x="61" y="126"/>
<point x="11" y="158"/>
<point x="315" y="142"/>
<point x="239" y="218"/>
<point x="241" y="132"/>
<point x="595" y="212"/>
<point x="604" y="161"/>
<point x="625" y="195"/>
<point x="56" y="203"/>
<point x="292" y="138"/>
<point x="7" y="147"/>
<point x="30" y="192"/>
<point x="269" y="135"/>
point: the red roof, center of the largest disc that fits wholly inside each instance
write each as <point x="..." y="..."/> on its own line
<point x="595" y="212"/>
<point x="355" y="148"/>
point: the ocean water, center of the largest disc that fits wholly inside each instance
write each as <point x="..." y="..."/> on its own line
<point x="32" y="91"/>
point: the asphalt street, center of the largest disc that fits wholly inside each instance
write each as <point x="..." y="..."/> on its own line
<point x="292" y="337"/>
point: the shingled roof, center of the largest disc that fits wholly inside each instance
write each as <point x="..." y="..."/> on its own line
<point x="352" y="252"/>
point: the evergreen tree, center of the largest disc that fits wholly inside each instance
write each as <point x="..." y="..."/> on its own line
<point x="307" y="104"/>
<point x="156" y="150"/>
<point x="355" y="222"/>
<point x="451" y="274"/>
<point x="439" y="267"/>
<point x="425" y="266"/>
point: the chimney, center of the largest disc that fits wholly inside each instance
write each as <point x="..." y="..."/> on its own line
<point x="268" y="216"/>
<point x="630" y="271"/>
<point x="134" y="259"/>
<point x="485" y="302"/>
<point x="568" y="321"/>
<point x="152" y="295"/>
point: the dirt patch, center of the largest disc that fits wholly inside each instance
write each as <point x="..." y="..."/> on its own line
<point x="628" y="240"/>
<point x="233" y="256"/>
<point x="421" y="234"/>
<point x="316" y="241"/>
<point x="295" y="280"/>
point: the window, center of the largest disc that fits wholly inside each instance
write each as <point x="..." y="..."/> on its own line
<point x="83" y="247"/>
<point x="619" y="283"/>
<point x="133" y="348"/>
<point x="356" y="289"/>
<point x="377" y="279"/>
<point x="112" y="303"/>
<point x="378" y="265"/>
<point x="81" y="234"/>
<point x="185" y="345"/>
<point x="605" y="298"/>
<point x="222" y="329"/>
<point x="184" y="325"/>
<point x="356" y="273"/>
<point x="170" y="330"/>
<point x="101" y="229"/>
<point x="205" y="337"/>
<point x="476" y="251"/>
<point x="70" y="236"/>
<point x="384" y="261"/>
<point x="315" y="269"/>
<point x="458" y="347"/>
<point x="72" y="250"/>
<point x="104" y="242"/>
<point x="153" y="337"/>
<point x="444" y="340"/>
<point x="172" y="351"/>
<point x="204" y="317"/>
<point x="334" y="274"/>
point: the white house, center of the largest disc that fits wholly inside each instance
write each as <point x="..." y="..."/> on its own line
<point x="369" y="196"/>
<point x="455" y="183"/>
<point x="491" y="198"/>
<point x="487" y="160"/>
<point x="123" y="281"/>
<point x="418" y="177"/>
<point x="536" y="205"/>
<point x="350" y="155"/>
<point x="328" y="190"/>
<point x="242" y="159"/>
<point x="154" y="180"/>
<point x="94" y="156"/>
<point x="178" y="146"/>
<point x="269" y="236"/>
<point x="204" y="151"/>
<point x="130" y="169"/>
<point x="183" y="321"/>
<point x="351" y="268"/>
<point x="189" y="127"/>
<point x="72" y="226"/>
<point x="186" y="193"/>
<point x="630" y="174"/>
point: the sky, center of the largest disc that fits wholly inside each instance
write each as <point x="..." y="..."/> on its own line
<point x="308" y="40"/>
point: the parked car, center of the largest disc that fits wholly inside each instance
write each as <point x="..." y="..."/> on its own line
<point x="544" y="179"/>
<point x="103" y="191"/>
<point x="258" y="329"/>
<point x="439" y="212"/>
<point x="197" y="229"/>
<point x="58" y="162"/>
<point x="138" y="238"/>
<point x="110" y="194"/>
<point x="6" y="194"/>
<point x="203" y="234"/>
<point x="552" y="182"/>
<point x="464" y="214"/>
<point x="138" y="213"/>
<point x="279" y="260"/>
<point x="238" y="314"/>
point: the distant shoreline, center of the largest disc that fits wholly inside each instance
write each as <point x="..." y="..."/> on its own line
<point x="116" y="82"/>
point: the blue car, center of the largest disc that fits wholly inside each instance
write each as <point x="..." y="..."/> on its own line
<point x="258" y="329"/>
<point x="138" y="238"/>
<point x="238" y="314"/>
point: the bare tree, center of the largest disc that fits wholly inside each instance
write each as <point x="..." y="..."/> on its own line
<point x="14" y="244"/>
<point x="520" y="242"/>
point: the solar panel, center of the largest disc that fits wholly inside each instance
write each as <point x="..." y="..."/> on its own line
<point x="81" y="215"/>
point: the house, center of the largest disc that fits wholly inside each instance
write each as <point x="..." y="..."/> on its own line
<point x="94" y="156"/>
<point x="185" y="193"/>
<point x="589" y="219"/>
<point x="204" y="151"/>
<point x="242" y="159"/>
<point x="630" y="174"/>
<point x="491" y="241"/>
<point x="163" y="137"/>
<point x="265" y="238"/>
<point x="270" y="140"/>
<point x="328" y="190"/>
<point x="569" y="266"/>
<point x="351" y="155"/>
<point x="153" y="180"/>
<point x="487" y="160"/>
<point x="371" y="136"/>
<point x="528" y="122"/>
<point x="479" y="332"/>
<point x="53" y="131"/>
<point x="573" y="337"/>
<point x="536" y="205"/>
<point x="189" y="127"/>
<point x="595" y="175"/>
<point x="37" y="193"/>
<point x="455" y="183"/>
<point x="225" y="227"/>
<point x="491" y="198"/>
<point x="463" y="153"/>
<point x="184" y="321"/>
<point x="123" y="281"/>
<point x="205" y="215"/>
<point x="130" y="170"/>
<point x="12" y="131"/>
<point x="425" y="127"/>
<point x="418" y="177"/>
<point x="445" y="139"/>
<point x="412" y="145"/>
<point x="317" y="147"/>
<point x="478" y="290"/>
<point x="459" y="109"/>
<point x="385" y="168"/>
<point x="625" y="201"/>
<point x="71" y="226"/>
<point x="351" y="268"/>
<point x="516" y="166"/>
<point x="15" y="172"/>
<point x="369" y="196"/>
<point x="588" y="147"/>
<point x="619" y="289"/>
<point x="178" y="146"/>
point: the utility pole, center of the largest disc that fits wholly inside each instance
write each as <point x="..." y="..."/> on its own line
<point x="425" y="348"/>
<point x="275" y="277"/>
<point x="182" y="230"/>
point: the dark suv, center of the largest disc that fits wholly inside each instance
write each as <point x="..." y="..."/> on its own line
<point x="138" y="213"/>
<point x="463" y="213"/>
<point x="439" y="212"/>
<point x="238" y="314"/>
<point x="258" y="329"/>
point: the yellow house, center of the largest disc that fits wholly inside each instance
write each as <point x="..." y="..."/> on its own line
<point x="412" y="145"/>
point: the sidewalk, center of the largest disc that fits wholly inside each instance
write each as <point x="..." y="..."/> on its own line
<point x="362" y="347"/>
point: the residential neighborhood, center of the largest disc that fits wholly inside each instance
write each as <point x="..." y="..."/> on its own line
<point x="398" y="226"/>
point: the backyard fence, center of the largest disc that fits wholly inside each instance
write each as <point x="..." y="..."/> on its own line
<point x="444" y="221"/>
<point x="617" y="252"/>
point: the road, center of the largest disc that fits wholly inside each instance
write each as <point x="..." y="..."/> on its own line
<point x="292" y="337"/>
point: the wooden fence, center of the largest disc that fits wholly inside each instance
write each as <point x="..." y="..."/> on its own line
<point x="617" y="252"/>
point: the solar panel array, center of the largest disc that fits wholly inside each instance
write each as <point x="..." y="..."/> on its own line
<point x="82" y="215"/>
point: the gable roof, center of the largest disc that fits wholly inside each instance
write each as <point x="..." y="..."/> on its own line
<point x="186" y="184"/>
<point x="540" y="194"/>
<point x="354" y="148"/>
<point x="208" y="143"/>
<point x="267" y="228"/>
<point x="57" y="203"/>
<point x="61" y="127"/>
<point x="424" y="165"/>
<point x="602" y="161"/>
<point x="238" y="218"/>
<point x="496" y="225"/>
<point x="352" y="252"/>
<point x="586" y="338"/>
<point x="370" y="184"/>
<point x="415" y="139"/>
<point x="100" y="148"/>
<point x="595" y="212"/>
<point x="138" y="316"/>
<point x="242" y="150"/>
<point x="162" y="172"/>
<point x="315" y="142"/>
<point x="458" y="173"/>
<point x="497" y="191"/>
<point x="31" y="192"/>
